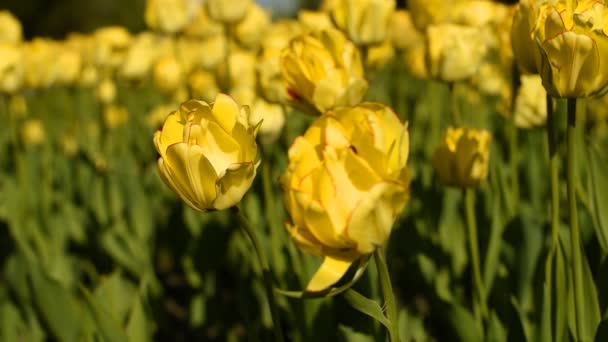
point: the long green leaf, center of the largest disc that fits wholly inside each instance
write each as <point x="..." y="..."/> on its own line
<point x="366" y="306"/>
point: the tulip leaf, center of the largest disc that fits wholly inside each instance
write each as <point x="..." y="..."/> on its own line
<point x="598" y="194"/>
<point x="366" y="306"/>
<point x="107" y="326"/>
<point x="137" y="329"/>
<point x="466" y="326"/>
<point x="352" y="335"/>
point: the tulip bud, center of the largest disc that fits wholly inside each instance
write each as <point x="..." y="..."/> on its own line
<point x="323" y="70"/>
<point x="364" y="21"/>
<point x="346" y="183"/>
<point x="462" y="158"/>
<point x="115" y="116"/>
<point x="10" y="28"/>
<point x="33" y="132"/>
<point x="167" y="74"/>
<point x="572" y="44"/>
<point x="228" y="11"/>
<point x="207" y="153"/>
<point x="112" y="44"/>
<point x="202" y="26"/>
<point x="39" y="58"/>
<point x="530" y="103"/>
<point x="106" y="91"/>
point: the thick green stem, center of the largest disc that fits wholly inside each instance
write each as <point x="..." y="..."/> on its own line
<point x="574" y="229"/>
<point x="546" y="334"/>
<point x="267" y="277"/>
<point x="474" y="248"/>
<point x="514" y="163"/>
<point x="387" y="293"/>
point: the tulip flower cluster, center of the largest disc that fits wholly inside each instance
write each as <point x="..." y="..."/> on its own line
<point x="337" y="132"/>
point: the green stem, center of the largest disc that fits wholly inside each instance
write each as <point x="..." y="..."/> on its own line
<point x="514" y="163"/>
<point x="267" y="278"/>
<point x="474" y="247"/>
<point x="387" y="292"/>
<point x="546" y="334"/>
<point x="574" y="229"/>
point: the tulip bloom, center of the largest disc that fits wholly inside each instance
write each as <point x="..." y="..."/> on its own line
<point x="207" y="153"/>
<point x="573" y="41"/>
<point x="346" y="184"/>
<point x="323" y="70"/>
<point x="463" y="157"/>
<point x="364" y="21"/>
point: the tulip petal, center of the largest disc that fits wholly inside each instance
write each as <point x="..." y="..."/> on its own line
<point x="304" y="239"/>
<point x="372" y="220"/>
<point x="219" y="147"/>
<point x="329" y="273"/>
<point x="167" y="176"/>
<point x="171" y="133"/>
<point x="233" y="185"/>
<point x="225" y="111"/>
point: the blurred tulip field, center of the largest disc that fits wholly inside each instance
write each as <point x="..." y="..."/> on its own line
<point x="345" y="170"/>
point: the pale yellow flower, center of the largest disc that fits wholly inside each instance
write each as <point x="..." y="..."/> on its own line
<point x="12" y="70"/>
<point x="272" y="118"/>
<point x="323" y="70"/>
<point x="346" y="183"/>
<point x="145" y="48"/>
<point x="315" y="20"/>
<point x="10" y="28"/>
<point x="364" y="21"/>
<point x="115" y="116"/>
<point x="39" y="63"/>
<point x="167" y="74"/>
<point x="207" y="153"/>
<point x="462" y="159"/>
<point x="169" y="16"/>
<point x="379" y="55"/>
<point x="250" y="31"/>
<point x="228" y="11"/>
<point x="530" y="103"/>
<point x="202" y="26"/>
<point x="111" y="46"/>
<point x="33" y="132"/>
<point x="455" y="51"/>
<point x="573" y="42"/>
<point x="203" y="85"/>
<point x="106" y="91"/>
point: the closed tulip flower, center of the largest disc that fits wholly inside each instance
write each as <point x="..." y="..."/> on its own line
<point x="455" y="51"/>
<point x="169" y="16"/>
<point x="364" y="21"/>
<point x="228" y="11"/>
<point x="111" y="46"/>
<point x="11" y="68"/>
<point x="202" y="26"/>
<point x="207" y="153"/>
<point x="10" y="28"/>
<point x="315" y="20"/>
<point x="462" y="158"/>
<point x="250" y="31"/>
<point x="530" y="103"/>
<point x="168" y="74"/>
<point x="573" y="42"/>
<point x="346" y="183"/>
<point x="323" y="70"/>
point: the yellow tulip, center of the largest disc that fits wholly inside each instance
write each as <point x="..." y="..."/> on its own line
<point x="272" y="84"/>
<point x="168" y="16"/>
<point x="11" y="68"/>
<point x="143" y="51"/>
<point x="346" y="183"/>
<point x="272" y="118"/>
<point x="203" y="85"/>
<point x="167" y="74"/>
<point x="33" y="132"/>
<point x="39" y="56"/>
<point x="364" y="21"/>
<point x="402" y="32"/>
<point x="323" y="70"/>
<point x="573" y="42"/>
<point x="115" y="116"/>
<point x="106" y="91"/>
<point x="10" y="28"/>
<point x="68" y="63"/>
<point x="207" y="153"/>
<point x="228" y="11"/>
<point x="315" y="20"/>
<point x="239" y="70"/>
<point x="111" y="46"/>
<point x="214" y="49"/>
<point x="462" y="158"/>
<point x="250" y="31"/>
<point x="530" y="103"/>
<point x="455" y="51"/>
<point x="202" y="26"/>
<point x="379" y="55"/>
<point x="525" y="50"/>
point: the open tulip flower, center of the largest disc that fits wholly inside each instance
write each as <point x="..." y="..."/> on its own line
<point x="346" y="183"/>
<point x="573" y="41"/>
<point x="208" y="152"/>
